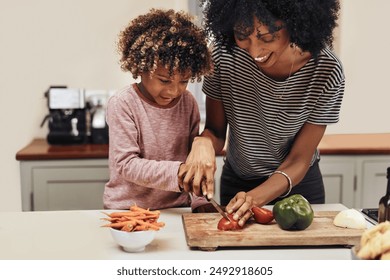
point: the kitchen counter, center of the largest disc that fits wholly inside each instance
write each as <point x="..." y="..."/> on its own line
<point x="63" y="235"/>
<point x="39" y="149"/>
<point x="332" y="144"/>
<point x="355" y="144"/>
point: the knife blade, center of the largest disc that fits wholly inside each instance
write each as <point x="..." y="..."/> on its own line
<point x="218" y="208"/>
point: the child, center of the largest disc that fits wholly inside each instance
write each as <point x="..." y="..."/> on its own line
<point x="152" y="123"/>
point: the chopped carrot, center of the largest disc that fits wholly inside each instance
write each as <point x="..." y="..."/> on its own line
<point x="128" y="227"/>
<point x="120" y="224"/>
<point x="137" y="219"/>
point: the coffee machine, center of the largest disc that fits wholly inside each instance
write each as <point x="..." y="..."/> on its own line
<point x="76" y="116"/>
<point x="66" y="117"/>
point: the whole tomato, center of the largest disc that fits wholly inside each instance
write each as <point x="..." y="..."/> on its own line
<point x="262" y="215"/>
<point x="225" y="224"/>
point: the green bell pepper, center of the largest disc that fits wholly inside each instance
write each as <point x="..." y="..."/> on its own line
<point x="293" y="213"/>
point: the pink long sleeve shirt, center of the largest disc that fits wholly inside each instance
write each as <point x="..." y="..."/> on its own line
<point x="147" y="145"/>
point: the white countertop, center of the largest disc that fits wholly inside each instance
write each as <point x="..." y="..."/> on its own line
<point x="78" y="235"/>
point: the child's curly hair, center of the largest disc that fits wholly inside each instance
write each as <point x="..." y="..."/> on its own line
<point x="310" y="23"/>
<point x="164" y="37"/>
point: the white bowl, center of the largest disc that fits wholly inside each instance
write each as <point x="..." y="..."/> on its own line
<point x="354" y="251"/>
<point x="134" y="241"/>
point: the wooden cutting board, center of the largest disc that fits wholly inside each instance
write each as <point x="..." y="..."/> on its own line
<point x="201" y="231"/>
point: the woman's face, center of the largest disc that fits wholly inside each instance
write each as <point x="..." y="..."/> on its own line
<point x="161" y="88"/>
<point x="266" y="48"/>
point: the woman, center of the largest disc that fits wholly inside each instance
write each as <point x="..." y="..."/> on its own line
<point x="277" y="84"/>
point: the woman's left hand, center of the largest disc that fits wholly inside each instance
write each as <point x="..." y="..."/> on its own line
<point x="241" y="205"/>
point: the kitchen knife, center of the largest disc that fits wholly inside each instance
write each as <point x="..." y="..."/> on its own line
<point x="219" y="209"/>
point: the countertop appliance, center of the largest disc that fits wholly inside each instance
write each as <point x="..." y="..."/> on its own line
<point x="98" y="130"/>
<point x="76" y="116"/>
<point x="67" y="115"/>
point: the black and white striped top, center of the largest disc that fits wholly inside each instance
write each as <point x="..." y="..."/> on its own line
<point x="265" y="115"/>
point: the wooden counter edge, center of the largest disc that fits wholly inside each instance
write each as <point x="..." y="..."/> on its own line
<point x="39" y="149"/>
<point x="331" y="144"/>
<point x="355" y="144"/>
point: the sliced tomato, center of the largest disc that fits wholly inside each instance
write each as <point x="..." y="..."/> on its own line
<point x="225" y="224"/>
<point x="262" y="215"/>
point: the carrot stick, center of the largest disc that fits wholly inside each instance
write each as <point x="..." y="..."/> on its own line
<point x="128" y="228"/>
<point x="149" y="225"/>
<point x="137" y="219"/>
<point x="142" y="210"/>
<point x="120" y="224"/>
<point x="141" y="228"/>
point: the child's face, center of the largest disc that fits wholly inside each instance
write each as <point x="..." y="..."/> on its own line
<point x="162" y="88"/>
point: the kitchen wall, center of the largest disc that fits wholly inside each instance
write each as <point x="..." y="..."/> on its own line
<point x="55" y="42"/>
<point x="364" y="50"/>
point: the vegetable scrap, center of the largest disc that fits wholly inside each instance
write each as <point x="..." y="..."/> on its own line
<point x="350" y="218"/>
<point x="137" y="219"/>
<point x="262" y="215"/>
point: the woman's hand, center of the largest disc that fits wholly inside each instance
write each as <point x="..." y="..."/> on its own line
<point x="241" y="205"/>
<point x="197" y="173"/>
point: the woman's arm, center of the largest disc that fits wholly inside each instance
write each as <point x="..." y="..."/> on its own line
<point x="197" y="173"/>
<point x="295" y="165"/>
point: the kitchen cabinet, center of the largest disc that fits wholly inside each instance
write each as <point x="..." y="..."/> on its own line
<point x="373" y="180"/>
<point x="62" y="177"/>
<point x="63" y="184"/>
<point x="354" y="168"/>
<point x="217" y="178"/>
<point x="338" y="173"/>
<point x="357" y="181"/>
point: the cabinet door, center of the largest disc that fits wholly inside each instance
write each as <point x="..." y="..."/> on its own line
<point x="373" y="180"/>
<point x="69" y="187"/>
<point x="217" y="177"/>
<point x="339" y="179"/>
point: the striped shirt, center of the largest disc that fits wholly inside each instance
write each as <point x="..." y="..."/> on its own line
<point x="265" y="115"/>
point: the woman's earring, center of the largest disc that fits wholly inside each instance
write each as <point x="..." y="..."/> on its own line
<point x="295" y="47"/>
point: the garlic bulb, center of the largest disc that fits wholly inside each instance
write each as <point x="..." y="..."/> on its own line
<point x="350" y="218"/>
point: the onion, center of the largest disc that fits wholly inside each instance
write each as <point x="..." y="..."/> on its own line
<point x="350" y="218"/>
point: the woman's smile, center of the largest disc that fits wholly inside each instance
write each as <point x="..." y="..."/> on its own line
<point x="263" y="58"/>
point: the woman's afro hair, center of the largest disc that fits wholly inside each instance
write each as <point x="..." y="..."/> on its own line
<point x="309" y="23"/>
